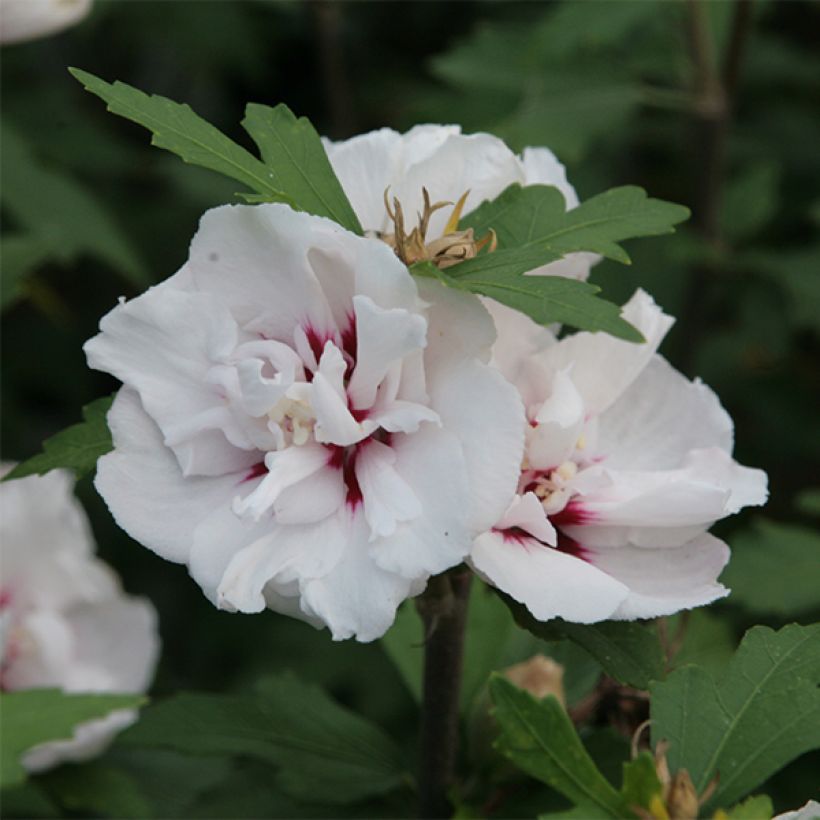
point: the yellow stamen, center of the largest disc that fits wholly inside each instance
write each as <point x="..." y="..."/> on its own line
<point x="455" y="216"/>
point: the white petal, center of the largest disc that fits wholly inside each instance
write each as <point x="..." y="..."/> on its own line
<point x="665" y="508"/>
<point x="477" y="404"/>
<point x="164" y="344"/>
<point x="285" y="468"/>
<point x="356" y="598"/>
<point x="311" y="499"/>
<point x="660" y="418"/>
<point x="550" y="583"/>
<point x="366" y="165"/>
<point x="120" y="637"/>
<point x="284" y="554"/>
<point x="603" y="367"/>
<point x="664" y="581"/>
<point x="458" y="327"/>
<point x="403" y="416"/>
<point x="526" y="512"/>
<point x="334" y="422"/>
<point x="558" y="425"/>
<point x="479" y="163"/>
<point x="541" y="167"/>
<point x="385" y="337"/>
<point x="46" y="544"/>
<point x="140" y="481"/>
<point x="431" y="463"/>
<point x="386" y="497"/>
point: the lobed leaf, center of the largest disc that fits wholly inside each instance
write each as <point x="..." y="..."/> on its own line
<point x="762" y="713"/>
<point x="35" y="716"/>
<point x="537" y="215"/>
<point x="775" y="568"/>
<point x="314" y="741"/>
<point x="629" y="651"/>
<point x="179" y="129"/>
<point x="292" y="147"/>
<point x="76" y="448"/>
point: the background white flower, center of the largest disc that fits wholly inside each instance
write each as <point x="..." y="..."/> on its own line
<point x="627" y="465"/>
<point x="447" y="163"/>
<point x="64" y="620"/>
<point x="22" y="20"/>
<point x="299" y="427"/>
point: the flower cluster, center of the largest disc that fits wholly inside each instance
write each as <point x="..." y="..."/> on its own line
<point x="310" y="430"/>
<point x="64" y="621"/>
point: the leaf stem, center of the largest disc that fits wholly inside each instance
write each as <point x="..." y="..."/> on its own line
<point x="443" y="610"/>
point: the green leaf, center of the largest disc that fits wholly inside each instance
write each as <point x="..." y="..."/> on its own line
<point x="177" y="128"/>
<point x="294" y="150"/>
<point x="35" y="716"/>
<point x="758" y="807"/>
<point x="545" y="299"/>
<point x="76" y="448"/>
<point x="808" y="501"/>
<point x="774" y="568"/>
<point x="539" y="738"/>
<point x="130" y="782"/>
<point x="61" y="220"/>
<point x="315" y="742"/>
<point x="761" y="714"/>
<point x="21" y="256"/>
<point x="629" y="651"/>
<point x="640" y="782"/>
<point x="536" y="214"/>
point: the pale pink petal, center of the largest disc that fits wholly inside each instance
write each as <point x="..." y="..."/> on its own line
<point x="311" y="499"/>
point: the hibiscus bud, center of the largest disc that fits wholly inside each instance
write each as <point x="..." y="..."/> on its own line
<point x="540" y="676"/>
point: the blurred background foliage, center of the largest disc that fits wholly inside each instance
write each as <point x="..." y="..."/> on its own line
<point x="711" y="104"/>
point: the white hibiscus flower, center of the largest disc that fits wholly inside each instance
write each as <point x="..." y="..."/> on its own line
<point x="64" y="621"/>
<point x="449" y="165"/>
<point x="627" y="464"/>
<point x="23" y="20"/>
<point x="299" y="427"/>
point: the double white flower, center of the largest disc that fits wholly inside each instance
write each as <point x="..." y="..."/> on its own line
<point x="299" y="427"/>
<point x="309" y="432"/>
<point x="64" y="620"/>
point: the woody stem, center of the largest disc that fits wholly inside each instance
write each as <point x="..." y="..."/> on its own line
<point x="443" y="609"/>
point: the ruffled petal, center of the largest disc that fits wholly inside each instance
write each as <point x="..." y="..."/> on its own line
<point x="356" y="598"/>
<point x="281" y="556"/>
<point x="526" y="513"/>
<point x="140" y="481"/>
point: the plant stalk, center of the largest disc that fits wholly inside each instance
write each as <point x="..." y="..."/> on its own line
<point x="443" y="610"/>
